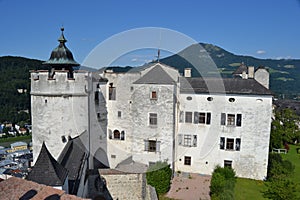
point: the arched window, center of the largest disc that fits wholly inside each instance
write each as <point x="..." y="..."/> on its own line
<point x="117" y="134"/>
<point x="122" y="135"/>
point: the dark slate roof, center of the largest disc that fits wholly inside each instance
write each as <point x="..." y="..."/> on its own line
<point x="156" y="76"/>
<point x="73" y="156"/>
<point x="225" y="85"/>
<point x="242" y="68"/>
<point x="61" y="55"/>
<point x="47" y="170"/>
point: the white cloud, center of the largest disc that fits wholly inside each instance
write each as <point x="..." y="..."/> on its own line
<point x="260" y="52"/>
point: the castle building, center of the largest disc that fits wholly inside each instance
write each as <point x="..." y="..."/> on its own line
<point x="153" y="113"/>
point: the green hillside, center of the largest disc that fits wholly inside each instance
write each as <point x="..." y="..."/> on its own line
<point x="14" y="104"/>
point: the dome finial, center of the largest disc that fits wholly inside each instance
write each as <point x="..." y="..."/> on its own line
<point x="62" y="38"/>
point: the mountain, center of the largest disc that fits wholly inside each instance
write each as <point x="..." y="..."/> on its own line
<point x="284" y="73"/>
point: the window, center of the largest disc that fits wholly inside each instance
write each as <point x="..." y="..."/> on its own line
<point x="202" y="118"/>
<point x="119" y="114"/>
<point x="229" y="143"/>
<point x="187" y="140"/>
<point x="230" y="119"/>
<point x="153" y="95"/>
<point x="209" y="98"/>
<point x="152" y="119"/>
<point x="187" y="160"/>
<point x="188" y="117"/>
<point x="152" y="145"/>
<point x="231" y="100"/>
<point x="112" y="93"/>
<point x="228" y="163"/>
<point x="117" y="134"/>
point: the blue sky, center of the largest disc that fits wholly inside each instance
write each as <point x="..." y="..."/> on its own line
<point x="260" y="28"/>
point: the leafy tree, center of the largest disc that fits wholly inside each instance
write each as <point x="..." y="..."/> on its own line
<point x="284" y="128"/>
<point x="159" y="176"/>
<point x="280" y="189"/>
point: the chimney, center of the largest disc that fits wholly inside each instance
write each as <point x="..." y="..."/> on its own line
<point x="250" y="72"/>
<point x="187" y="72"/>
<point x="244" y="75"/>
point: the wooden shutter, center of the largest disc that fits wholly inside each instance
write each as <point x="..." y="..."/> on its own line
<point x="223" y="118"/>
<point x="196" y="117"/>
<point x="208" y="117"/>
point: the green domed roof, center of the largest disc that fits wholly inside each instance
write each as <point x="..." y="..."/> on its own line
<point x="61" y="55"/>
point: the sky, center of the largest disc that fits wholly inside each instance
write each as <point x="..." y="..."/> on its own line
<point x="259" y="28"/>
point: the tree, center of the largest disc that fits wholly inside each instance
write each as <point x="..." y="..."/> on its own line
<point x="280" y="189"/>
<point x="159" y="176"/>
<point x="284" y="128"/>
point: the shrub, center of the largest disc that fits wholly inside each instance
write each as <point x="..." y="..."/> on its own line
<point x="280" y="189"/>
<point x="222" y="183"/>
<point x="278" y="168"/>
<point x="159" y="176"/>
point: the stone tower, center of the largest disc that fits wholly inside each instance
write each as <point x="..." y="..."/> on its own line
<point x="59" y="101"/>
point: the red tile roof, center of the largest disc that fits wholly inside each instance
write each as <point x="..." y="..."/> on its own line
<point x="16" y="188"/>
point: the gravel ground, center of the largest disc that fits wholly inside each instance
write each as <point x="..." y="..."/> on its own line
<point x="190" y="186"/>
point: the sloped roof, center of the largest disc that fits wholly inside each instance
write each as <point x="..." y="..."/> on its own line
<point x="242" y="68"/>
<point x="47" y="170"/>
<point x="155" y="76"/>
<point x="72" y="157"/>
<point x="225" y="85"/>
<point x="17" y="188"/>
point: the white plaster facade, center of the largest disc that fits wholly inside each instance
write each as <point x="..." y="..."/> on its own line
<point x="59" y="109"/>
<point x="251" y="159"/>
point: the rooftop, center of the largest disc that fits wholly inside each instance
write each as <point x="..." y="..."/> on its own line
<point x="17" y="188"/>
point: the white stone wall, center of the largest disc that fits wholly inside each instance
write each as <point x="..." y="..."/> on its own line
<point x="133" y="101"/>
<point x="58" y="109"/>
<point x="163" y="132"/>
<point x="251" y="161"/>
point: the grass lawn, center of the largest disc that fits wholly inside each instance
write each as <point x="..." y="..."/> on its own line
<point x="249" y="189"/>
<point x="5" y="142"/>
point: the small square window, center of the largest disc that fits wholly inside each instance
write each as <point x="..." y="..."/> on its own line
<point x="187" y="160"/>
<point x="153" y="95"/>
<point x="153" y="118"/>
<point x="152" y="145"/>
<point x="187" y="140"/>
<point x="228" y="163"/>
<point x="230" y="143"/>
